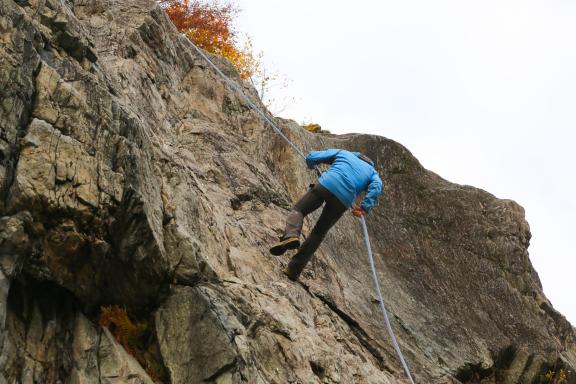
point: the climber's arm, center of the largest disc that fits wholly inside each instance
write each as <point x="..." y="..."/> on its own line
<point x="373" y="191"/>
<point x="316" y="157"/>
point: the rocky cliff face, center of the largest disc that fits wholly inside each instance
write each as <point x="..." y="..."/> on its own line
<point x="132" y="176"/>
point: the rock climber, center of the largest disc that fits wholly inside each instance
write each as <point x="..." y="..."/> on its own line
<point x="350" y="173"/>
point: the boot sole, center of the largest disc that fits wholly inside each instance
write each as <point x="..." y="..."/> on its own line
<point x="279" y="249"/>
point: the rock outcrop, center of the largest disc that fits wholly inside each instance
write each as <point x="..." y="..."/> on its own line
<point x="132" y="176"/>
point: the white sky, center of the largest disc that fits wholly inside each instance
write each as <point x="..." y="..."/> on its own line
<point x="482" y="93"/>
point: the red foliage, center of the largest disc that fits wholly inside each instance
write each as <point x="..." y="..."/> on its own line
<point x="209" y="26"/>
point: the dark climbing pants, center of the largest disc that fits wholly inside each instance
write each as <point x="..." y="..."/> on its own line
<point x="308" y="203"/>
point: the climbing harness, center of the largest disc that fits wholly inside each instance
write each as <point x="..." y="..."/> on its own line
<point x="266" y="119"/>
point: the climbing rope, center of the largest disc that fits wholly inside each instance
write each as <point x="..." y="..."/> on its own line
<point x="255" y="108"/>
<point x="381" y="300"/>
<point x="266" y="119"/>
<point x="235" y="87"/>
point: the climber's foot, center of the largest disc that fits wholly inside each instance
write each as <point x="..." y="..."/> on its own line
<point x="284" y="245"/>
<point x="290" y="275"/>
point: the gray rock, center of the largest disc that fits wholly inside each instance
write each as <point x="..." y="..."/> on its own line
<point x="85" y="349"/>
<point x="132" y="175"/>
<point x="188" y="316"/>
<point x="116" y="365"/>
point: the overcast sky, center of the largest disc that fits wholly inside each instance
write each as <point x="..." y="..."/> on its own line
<point x="482" y="93"/>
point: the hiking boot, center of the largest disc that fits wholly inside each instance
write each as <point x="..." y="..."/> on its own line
<point x="291" y="276"/>
<point x="284" y="245"/>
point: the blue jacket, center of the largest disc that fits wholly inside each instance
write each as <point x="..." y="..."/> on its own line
<point x="347" y="176"/>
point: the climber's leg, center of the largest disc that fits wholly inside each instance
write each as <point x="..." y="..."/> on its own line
<point x="308" y="203"/>
<point x="331" y="213"/>
<point x="311" y="201"/>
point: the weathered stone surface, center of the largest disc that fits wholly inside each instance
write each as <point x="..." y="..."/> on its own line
<point x="48" y="340"/>
<point x="132" y="175"/>
<point x="116" y="365"/>
<point x="85" y="348"/>
<point x="187" y="316"/>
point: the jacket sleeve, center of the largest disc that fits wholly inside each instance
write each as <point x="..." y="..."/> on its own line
<point x="316" y="157"/>
<point x="373" y="191"/>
